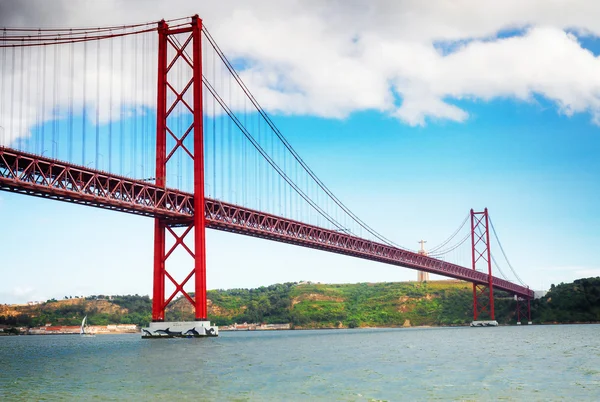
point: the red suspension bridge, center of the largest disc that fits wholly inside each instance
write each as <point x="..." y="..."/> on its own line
<point x="154" y="120"/>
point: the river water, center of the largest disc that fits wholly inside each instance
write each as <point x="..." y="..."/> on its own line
<point x="533" y="363"/>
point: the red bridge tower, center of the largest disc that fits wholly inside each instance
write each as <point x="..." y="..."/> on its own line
<point x="483" y="293"/>
<point x="180" y="47"/>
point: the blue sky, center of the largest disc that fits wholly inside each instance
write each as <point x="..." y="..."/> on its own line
<point x="534" y="169"/>
<point x="525" y="146"/>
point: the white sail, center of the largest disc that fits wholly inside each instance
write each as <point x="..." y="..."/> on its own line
<point x="82" y="330"/>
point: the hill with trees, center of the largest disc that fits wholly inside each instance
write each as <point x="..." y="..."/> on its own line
<point x="570" y="302"/>
<point x="314" y="305"/>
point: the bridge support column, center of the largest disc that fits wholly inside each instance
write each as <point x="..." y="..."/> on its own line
<point x="483" y="293"/>
<point x="520" y="307"/>
<point x="523" y="310"/>
<point x="178" y="49"/>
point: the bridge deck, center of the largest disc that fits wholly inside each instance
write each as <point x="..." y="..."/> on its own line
<point x="44" y="177"/>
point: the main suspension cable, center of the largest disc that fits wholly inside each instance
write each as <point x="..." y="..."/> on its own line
<point x="268" y="120"/>
<point x="503" y="253"/>
<point x="446" y="251"/>
<point x="451" y="236"/>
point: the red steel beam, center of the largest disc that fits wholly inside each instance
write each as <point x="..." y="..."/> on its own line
<point x="44" y="177"/>
<point x="35" y="175"/>
<point x="236" y="219"/>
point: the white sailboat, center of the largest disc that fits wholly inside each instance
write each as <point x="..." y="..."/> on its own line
<point x="85" y="328"/>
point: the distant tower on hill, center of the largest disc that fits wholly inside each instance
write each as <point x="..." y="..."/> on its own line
<point x="422" y="276"/>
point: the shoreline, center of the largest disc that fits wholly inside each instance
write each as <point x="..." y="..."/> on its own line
<point x="406" y="327"/>
<point x="254" y="329"/>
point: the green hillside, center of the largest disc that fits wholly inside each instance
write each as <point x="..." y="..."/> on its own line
<point x="310" y="305"/>
<point x="570" y="302"/>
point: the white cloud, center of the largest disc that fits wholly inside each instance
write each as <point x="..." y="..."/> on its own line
<point x="544" y="61"/>
<point x="334" y="58"/>
<point x="329" y="72"/>
<point x="41" y="84"/>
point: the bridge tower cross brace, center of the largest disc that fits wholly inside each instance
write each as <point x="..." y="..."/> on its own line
<point x="188" y="52"/>
<point x="483" y="293"/>
<point x="523" y="310"/>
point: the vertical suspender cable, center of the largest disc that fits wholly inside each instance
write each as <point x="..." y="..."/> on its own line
<point x="222" y="142"/>
<point x="71" y="89"/>
<point x="39" y="82"/>
<point x="110" y="103"/>
<point x="244" y="165"/>
<point x="84" y="106"/>
<point x="143" y="117"/>
<point x="229" y="144"/>
<point x="133" y="88"/>
<point x="232" y="158"/>
<point x="270" y="177"/>
<point x="257" y="180"/>
<point x="214" y="144"/>
<point x="43" y="118"/>
<point x="285" y="201"/>
<point x="12" y="97"/>
<point x="55" y="114"/>
<point x="28" y="62"/>
<point x="3" y="74"/>
<point x="138" y="103"/>
<point x="21" y="101"/>
<point x="97" y="162"/>
<point x="122" y="110"/>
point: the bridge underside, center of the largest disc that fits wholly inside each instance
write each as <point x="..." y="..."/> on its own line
<point x="44" y="177"/>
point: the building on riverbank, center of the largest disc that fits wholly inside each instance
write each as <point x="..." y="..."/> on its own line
<point x="74" y="329"/>
<point x="254" y="327"/>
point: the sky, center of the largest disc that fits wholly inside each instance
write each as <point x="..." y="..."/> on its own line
<point x="411" y="112"/>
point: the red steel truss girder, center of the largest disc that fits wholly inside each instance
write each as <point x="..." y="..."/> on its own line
<point x="44" y="177"/>
<point x="33" y="175"/>
<point x="232" y="218"/>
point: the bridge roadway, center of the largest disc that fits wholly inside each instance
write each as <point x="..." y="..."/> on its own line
<point x="40" y="176"/>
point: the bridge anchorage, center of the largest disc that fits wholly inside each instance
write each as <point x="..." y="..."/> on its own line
<point x="289" y="203"/>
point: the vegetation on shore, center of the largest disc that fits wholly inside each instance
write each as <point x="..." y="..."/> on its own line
<point x="130" y="309"/>
<point x="570" y="302"/>
<point x="310" y="305"/>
